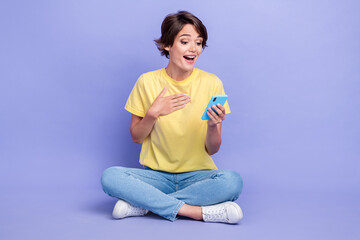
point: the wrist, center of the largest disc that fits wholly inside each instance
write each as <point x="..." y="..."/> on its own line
<point x="152" y="114"/>
<point x="211" y="126"/>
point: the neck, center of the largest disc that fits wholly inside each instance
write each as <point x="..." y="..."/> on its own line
<point x="177" y="75"/>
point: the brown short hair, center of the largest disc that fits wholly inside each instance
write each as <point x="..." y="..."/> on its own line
<point x="172" y="25"/>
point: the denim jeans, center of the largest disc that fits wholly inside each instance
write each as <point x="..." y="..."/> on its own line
<point x="164" y="193"/>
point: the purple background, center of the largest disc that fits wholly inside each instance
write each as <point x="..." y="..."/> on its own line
<point x="292" y="73"/>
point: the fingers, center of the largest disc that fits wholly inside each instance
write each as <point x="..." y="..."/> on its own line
<point x="212" y="114"/>
<point x="220" y="110"/>
<point x="174" y="96"/>
<point x="179" y="107"/>
<point x="180" y="101"/>
<point x="214" y="119"/>
<point x="216" y="114"/>
<point x="171" y="103"/>
<point x="221" y="107"/>
<point x="178" y="95"/>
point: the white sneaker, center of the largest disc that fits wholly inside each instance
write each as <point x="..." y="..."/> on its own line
<point x="124" y="209"/>
<point x="227" y="212"/>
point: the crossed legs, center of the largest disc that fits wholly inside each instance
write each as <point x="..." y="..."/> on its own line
<point x="169" y="195"/>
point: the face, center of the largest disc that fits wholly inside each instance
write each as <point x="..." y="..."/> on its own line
<point x="186" y="49"/>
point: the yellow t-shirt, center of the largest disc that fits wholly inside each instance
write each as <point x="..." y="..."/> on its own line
<point x="177" y="141"/>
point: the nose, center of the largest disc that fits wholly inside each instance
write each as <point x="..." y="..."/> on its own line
<point x="192" y="47"/>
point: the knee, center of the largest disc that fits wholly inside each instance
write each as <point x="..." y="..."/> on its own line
<point x="234" y="183"/>
<point x="109" y="177"/>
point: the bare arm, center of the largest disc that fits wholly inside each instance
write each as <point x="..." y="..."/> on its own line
<point x="213" y="134"/>
<point x="140" y="127"/>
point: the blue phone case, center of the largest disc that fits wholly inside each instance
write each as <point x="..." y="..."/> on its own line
<point x="214" y="101"/>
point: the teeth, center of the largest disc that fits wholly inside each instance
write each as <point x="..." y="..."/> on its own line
<point x="191" y="57"/>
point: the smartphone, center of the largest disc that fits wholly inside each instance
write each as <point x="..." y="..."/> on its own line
<point x="214" y="101"/>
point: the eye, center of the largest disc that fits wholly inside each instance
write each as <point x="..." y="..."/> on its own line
<point x="183" y="42"/>
<point x="199" y="43"/>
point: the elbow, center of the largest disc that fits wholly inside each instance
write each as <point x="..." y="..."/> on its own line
<point x="135" y="140"/>
<point x="212" y="151"/>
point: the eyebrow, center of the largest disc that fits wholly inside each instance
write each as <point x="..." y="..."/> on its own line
<point x="188" y="35"/>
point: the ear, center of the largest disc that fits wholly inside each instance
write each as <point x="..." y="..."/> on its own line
<point x="167" y="48"/>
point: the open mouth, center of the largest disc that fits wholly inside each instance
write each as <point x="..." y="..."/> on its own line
<point x="189" y="58"/>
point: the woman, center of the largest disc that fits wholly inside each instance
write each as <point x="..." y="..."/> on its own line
<point x="179" y="175"/>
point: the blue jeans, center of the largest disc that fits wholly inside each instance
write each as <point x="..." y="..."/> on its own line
<point x="164" y="193"/>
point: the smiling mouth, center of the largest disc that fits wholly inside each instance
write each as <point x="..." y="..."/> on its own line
<point x="189" y="58"/>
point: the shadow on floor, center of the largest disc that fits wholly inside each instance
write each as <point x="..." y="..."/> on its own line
<point x="105" y="207"/>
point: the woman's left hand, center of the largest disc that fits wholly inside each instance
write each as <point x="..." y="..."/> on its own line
<point x="216" y="118"/>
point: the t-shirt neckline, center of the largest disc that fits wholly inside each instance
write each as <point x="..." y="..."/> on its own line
<point x="183" y="82"/>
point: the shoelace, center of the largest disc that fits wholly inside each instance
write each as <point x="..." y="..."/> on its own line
<point x="218" y="214"/>
<point x="136" y="210"/>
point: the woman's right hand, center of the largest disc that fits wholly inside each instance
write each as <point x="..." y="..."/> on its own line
<point x="166" y="105"/>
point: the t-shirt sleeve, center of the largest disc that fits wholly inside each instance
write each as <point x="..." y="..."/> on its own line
<point x="219" y="90"/>
<point x="135" y="102"/>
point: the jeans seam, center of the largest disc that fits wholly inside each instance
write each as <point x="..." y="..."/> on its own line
<point x="210" y="176"/>
<point x="176" y="182"/>
<point x="176" y="210"/>
<point x="134" y="175"/>
<point x="198" y="179"/>
<point x="196" y="183"/>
